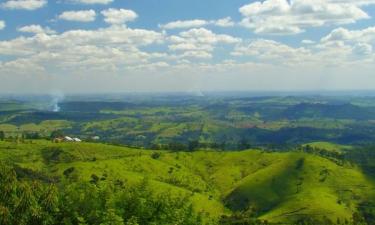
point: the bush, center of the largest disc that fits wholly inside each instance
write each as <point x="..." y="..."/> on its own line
<point x="68" y="171"/>
<point x="55" y="155"/>
<point x="155" y="155"/>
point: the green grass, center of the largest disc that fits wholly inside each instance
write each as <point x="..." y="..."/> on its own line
<point x="281" y="186"/>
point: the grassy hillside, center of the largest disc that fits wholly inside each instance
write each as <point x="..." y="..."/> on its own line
<point x="277" y="187"/>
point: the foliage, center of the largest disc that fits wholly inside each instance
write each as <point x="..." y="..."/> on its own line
<point x="57" y="134"/>
<point x="24" y="202"/>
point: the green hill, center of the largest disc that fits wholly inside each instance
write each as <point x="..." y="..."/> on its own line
<point x="277" y="187"/>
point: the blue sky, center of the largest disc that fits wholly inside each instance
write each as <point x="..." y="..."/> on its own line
<point x="194" y="46"/>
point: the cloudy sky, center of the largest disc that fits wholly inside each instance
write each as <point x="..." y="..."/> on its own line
<point x="186" y="45"/>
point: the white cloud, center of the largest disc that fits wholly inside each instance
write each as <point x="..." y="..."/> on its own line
<point x="24" y="4"/>
<point x="79" y="16"/>
<point x="199" y="42"/>
<point x="203" y="35"/>
<point x="361" y="49"/>
<point x="103" y="2"/>
<point x="119" y="16"/>
<point x="196" y="54"/>
<point x="292" y="17"/>
<point x="81" y="51"/>
<point x="356" y="2"/>
<point x="272" y="51"/>
<point x="342" y="34"/>
<point x="307" y="42"/>
<point x="2" y="25"/>
<point x="183" y="24"/>
<point x="118" y="50"/>
<point x="360" y="43"/>
<point x="36" y="29"/>
<point x="341" y="48"/>
<point x="224" y="22"/>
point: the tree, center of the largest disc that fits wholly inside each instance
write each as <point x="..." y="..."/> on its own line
<point x="2" y="135"/>
<point x="155" y="155"/>
<point x="56" y="134"/>
<point x="193" y="145"/>
<point x="26" y="203"/>
<point x="111" y="218"/>
<point x="31" y="135"/>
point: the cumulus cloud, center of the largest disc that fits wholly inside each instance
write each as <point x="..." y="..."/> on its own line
<point x="103" y="2"/>
<point x="118" y="16"/>
<point x="359" y="42"/>
<point x="115" y="51"/>
<point x="24" y="4"/>
<point x="181" y="24"/>
<point x="2" y="24"/>
<point x="307" y="42"/>
<point x="184" y="24"/>
<point x="199" y="42"/>
<point x="79" y="16"/>
<point x="292" y="17"/>
<point x="79" y="51"/>
<point x="224" y="22"/>
<point x="203" y="35"/>
<point x="36" y="29"/>
<point x="272" y="51"/>
<point x="362" y="49"/>
<point x="341" y="48"/>
<point x="357" y="2"/>
<point x="342" y="34"/>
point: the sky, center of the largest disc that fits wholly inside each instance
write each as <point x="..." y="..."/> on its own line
<point x="110" y="46"/>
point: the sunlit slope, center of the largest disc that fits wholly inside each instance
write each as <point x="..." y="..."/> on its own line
<point x="113" y="163"/>
<point x="302" y="185"/>
<point x="279" y="186"/>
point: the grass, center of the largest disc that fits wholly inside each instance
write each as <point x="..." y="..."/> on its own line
<point x="281" y="186"/>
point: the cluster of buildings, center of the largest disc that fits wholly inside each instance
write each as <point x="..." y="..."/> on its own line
<point x="66" y="139"/>
<point x="72" y="139"/>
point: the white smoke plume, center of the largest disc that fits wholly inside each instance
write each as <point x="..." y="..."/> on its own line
<point x="57" y="97"/>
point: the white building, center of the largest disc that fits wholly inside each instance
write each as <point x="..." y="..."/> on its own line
<point x="70" y="139"/>
<point x="67" y="138"/>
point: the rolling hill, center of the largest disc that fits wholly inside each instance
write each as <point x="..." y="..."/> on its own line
<point x="277" y="187"/>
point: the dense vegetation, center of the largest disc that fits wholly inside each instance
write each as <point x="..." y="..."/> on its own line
<point x="28" y="202"/>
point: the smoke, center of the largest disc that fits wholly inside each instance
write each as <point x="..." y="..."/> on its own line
<point x="57" y="97"/>
<point x="196" y="91"/>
